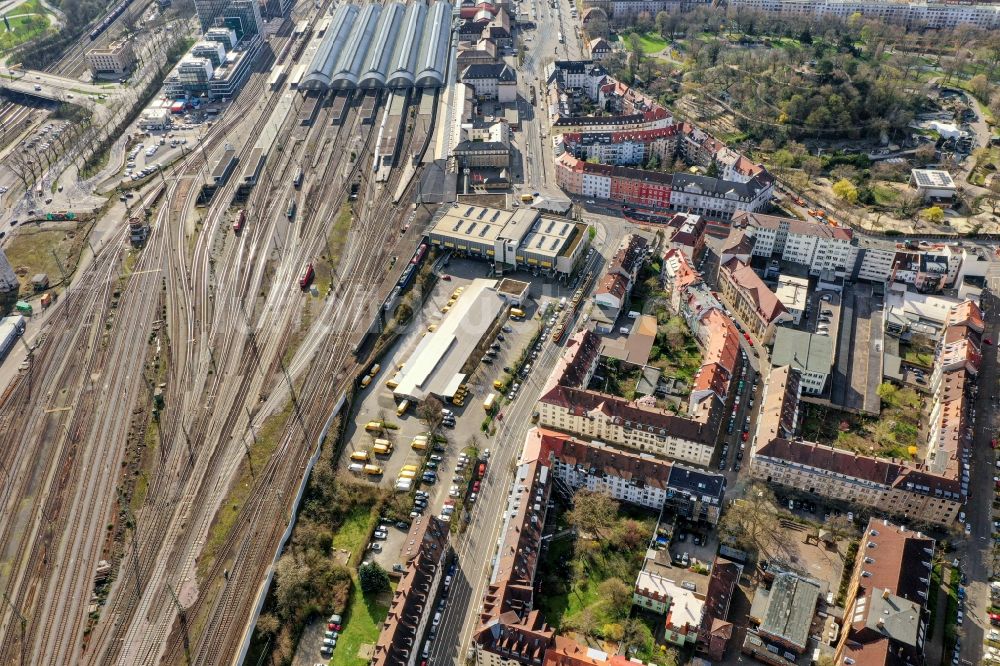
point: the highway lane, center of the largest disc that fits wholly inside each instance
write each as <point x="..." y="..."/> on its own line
<point x="477" y="547"/>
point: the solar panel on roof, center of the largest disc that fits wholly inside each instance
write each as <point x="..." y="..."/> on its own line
<point x="555" y="243"/>
<point x="551" y="224"/>
<point x="472" y="227"/>
<point x="565" y="228"/>
<point x="484" y="230"/>
<point x="469" y="211"/>
<point x="482" y="213"/>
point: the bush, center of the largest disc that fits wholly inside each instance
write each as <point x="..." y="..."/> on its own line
<point x="373" y="578"/>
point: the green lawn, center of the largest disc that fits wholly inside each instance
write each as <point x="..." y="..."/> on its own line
<point x="364" y="615"/>
<point x="652" y="43"/>
<point x="27" y="21"/>
<point x="919" y="358"/>
<point x="352" y="534"/>
<point x="362" y="624"/>
<point x="884" y="195"/>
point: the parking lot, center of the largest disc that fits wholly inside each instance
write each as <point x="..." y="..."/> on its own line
<point x="465" y="432"/>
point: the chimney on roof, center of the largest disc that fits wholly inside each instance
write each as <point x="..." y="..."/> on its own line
<point x="885" y="593"/>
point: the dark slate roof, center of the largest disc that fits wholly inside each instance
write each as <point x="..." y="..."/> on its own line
<point x="493" y="70"/>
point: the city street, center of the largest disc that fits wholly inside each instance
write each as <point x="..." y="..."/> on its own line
<point x="477" y="547"/>
<point x="975" y="555"/>
<point x="542" y="47"/>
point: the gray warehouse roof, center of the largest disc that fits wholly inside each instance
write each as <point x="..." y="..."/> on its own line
<point x="791" y="604"/>
<point x="404" y="56"/>
<point x="432" y="62"/>
<point x="320" y="70"/>
<point x="353" y="57"/>
<point x="379" y="58"/>
<point x="802" y="350"/>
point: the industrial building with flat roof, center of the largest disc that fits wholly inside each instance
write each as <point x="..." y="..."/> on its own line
<point x="510" y="239"/>
<point x="435" y="366"/>
<point x="383" y="46"/>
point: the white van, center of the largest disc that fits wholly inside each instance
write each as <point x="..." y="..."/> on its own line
<point x="624" y="330"/>
<point x="633" y="314"/>
<point x="357" y="468"/>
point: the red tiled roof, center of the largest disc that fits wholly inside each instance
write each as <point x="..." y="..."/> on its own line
<point x="617" y="463"/>
<point x="584" y="402"/>
<point x="428" y="539"/>
<point x="877" y="470"/>
<point x="743" y="276"/>
<point x="685" y="274"/>
<point x="614" y="284"/>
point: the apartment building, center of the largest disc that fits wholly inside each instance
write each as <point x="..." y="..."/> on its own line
<point x="793" y="293"/>
<point x="602" y="181"/>
<point x="615" y="420"/>
<point x="510" y="630"/>
<point x="720" y="199"/>
<point x="565" y="404"/>
<point x="956" y="369"/>
<point x="599" y="49"/>
<point x="677" y="274"/>
<point x="686" y="233"/>
<point x="912" y="490"/>
<point x="642" y="480"/>
<point x="699" y="195"/>
<point x="114" y="60"/>
<point x="929" y="267"/>
<point x="715" y="630"/>
<point x="821" y="247"/>
<point x="712" y="383"/>
<point x="634" y="122"/>
<point x="620" y="148"/>
<point x="753" y="304"/>
<point x="682" y="608"/>
<point x="425" y="555"/>
<point x="887" y="598"/>
<point x="917" y="14"/>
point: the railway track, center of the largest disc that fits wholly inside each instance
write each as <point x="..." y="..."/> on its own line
<point x="61" y="435"/>
<point x="296" y="444"/>
<point x="229" y="309"/>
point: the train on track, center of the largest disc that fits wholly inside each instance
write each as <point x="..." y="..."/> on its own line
<point x="112" y="16"/>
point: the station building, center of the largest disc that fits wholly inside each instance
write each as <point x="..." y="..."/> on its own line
<point x="383" y="46"/>
<point x="519" y="239"/>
